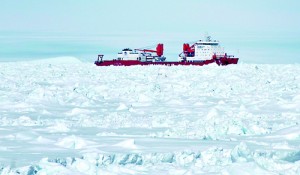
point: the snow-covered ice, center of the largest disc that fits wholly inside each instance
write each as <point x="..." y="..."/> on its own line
<point x="62" y="116"/>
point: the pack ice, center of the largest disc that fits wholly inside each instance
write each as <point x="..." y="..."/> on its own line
<point x="62" y="116"/>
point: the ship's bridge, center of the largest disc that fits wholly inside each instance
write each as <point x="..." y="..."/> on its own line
<point x="209" y="43"/>
<point x="204" y="50"/>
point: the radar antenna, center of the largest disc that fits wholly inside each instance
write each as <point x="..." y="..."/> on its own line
<point x="208" y="38"/>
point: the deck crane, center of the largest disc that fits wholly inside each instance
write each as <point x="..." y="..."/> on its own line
<point x="148" y="53"/>
<point x="188" y="50"/>
<point x="159" y="50"/>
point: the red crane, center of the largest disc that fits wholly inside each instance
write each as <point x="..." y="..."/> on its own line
<point x="188" y="50"/>
<point x="159" y="50"/>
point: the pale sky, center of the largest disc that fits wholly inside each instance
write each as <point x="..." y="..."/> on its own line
<point x="145" y="21"/>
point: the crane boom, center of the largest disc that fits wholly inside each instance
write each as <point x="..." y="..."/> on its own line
<point x="159" y="50"/>
<point x="145" y="50"/>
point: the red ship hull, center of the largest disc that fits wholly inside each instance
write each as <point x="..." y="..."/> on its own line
<point x="221" y="61"/>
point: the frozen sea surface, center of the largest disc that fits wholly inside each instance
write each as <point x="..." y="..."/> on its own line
<point x="61" y="116"/>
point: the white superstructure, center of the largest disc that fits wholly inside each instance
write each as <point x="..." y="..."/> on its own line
<point x="201" y="50"/>
<point x="128" y="54"/>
